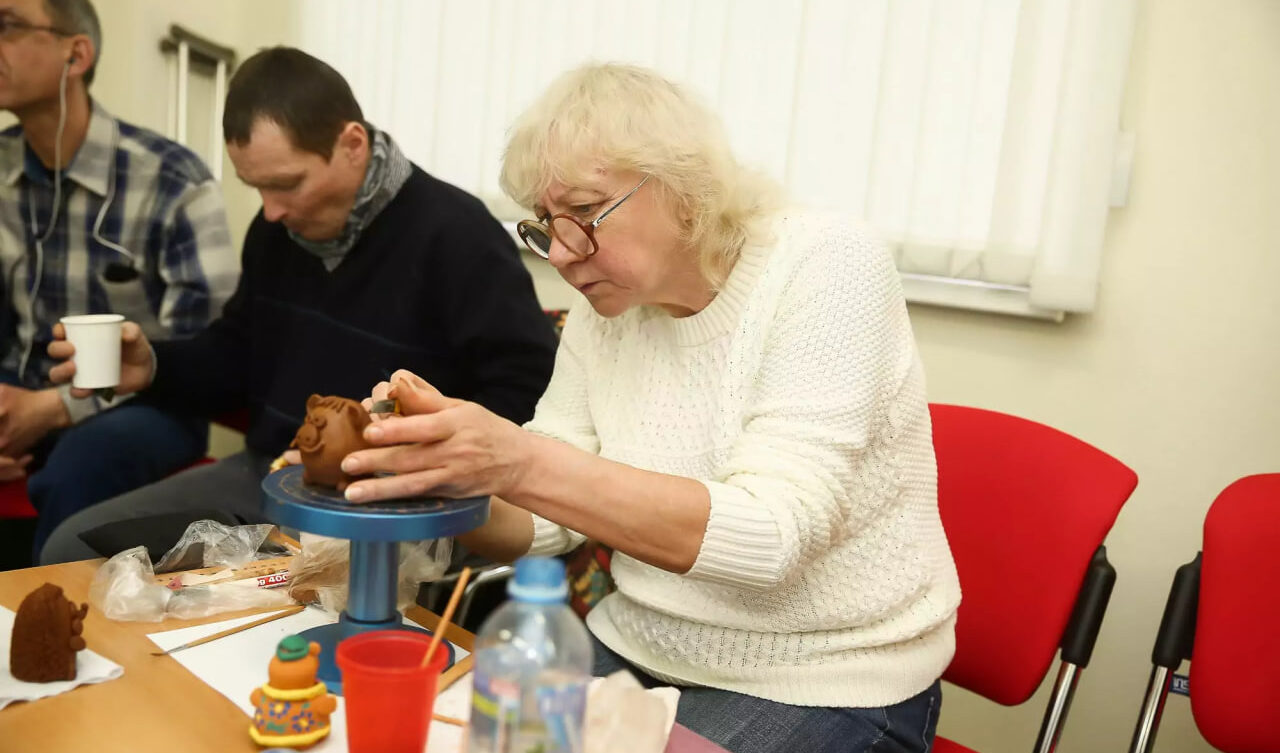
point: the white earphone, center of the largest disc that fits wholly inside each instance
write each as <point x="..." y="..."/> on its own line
<point x="40" y="238"/>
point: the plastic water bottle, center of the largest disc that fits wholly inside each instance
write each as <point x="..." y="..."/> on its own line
<point x="533" y="664"/>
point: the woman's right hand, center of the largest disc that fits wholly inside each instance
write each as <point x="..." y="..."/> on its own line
<point x="137" y="367"/>
<point x="437" y="446"/>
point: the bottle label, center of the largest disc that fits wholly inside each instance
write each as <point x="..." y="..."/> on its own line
<point x="495" y="714"/>
<point x="563" y="708"/>
<point x="548" y="720"/>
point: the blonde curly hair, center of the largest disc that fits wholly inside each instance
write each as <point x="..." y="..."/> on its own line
<point x="623" y="117"/>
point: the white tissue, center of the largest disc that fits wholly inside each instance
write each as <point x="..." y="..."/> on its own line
<point x="623" y="717"/>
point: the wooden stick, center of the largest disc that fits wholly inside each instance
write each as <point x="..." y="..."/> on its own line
<point x="250" y="570"/>
<point x="443" y="625"/>
<point x="234" y="630"/>
<point x="452" y="674"/>
<point x="449" y="720"/>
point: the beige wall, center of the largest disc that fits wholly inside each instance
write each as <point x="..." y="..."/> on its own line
<point x="133" y="82"/>
<point x="1177" y="374"/>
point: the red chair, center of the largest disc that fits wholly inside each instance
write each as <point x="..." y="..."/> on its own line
<point x="17" y="525"/>
<point x="1026" y="508"/>
<point x="14" y="504"/>
<point x="1223" y="614"/>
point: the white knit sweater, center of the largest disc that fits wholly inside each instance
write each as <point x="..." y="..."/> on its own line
<point x="797" y="397"/>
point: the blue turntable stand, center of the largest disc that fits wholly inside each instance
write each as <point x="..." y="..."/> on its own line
<point x="375" y="530"/>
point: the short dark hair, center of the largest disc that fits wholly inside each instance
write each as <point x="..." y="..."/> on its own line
<point x="309" y="100"/>
<point x="78" y="17"/>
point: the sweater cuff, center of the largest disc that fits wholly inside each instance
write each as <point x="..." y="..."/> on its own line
<point x="552" y="538"/>
<point x="742" y="546"/>
<point x="78" y="408"/>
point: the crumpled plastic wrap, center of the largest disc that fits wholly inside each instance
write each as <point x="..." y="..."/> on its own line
<point x="208" y="543"/>
<point x="124" y="588"/>
<point x="319" y="573"/>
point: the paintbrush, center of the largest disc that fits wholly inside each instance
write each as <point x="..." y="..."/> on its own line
<point x="443" y="625"/>
<point x="232" y="631"/>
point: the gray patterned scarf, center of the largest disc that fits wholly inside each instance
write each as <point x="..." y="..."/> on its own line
<point x="387" y="172"/>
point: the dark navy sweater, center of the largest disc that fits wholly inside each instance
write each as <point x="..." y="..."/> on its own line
<point x="434" y="285"/>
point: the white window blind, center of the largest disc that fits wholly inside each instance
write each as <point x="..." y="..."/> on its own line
<point x="977" y="135"/>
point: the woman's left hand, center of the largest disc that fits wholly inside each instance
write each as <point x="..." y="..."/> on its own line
<point x="439" y="447"/>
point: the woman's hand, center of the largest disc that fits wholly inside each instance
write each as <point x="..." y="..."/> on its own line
<point x="439" y="446"/>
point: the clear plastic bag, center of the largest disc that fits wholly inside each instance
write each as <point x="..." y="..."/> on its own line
<point x="208" y="543"/>
<point x="319" y="573"/>
<point x="125" y="588"/>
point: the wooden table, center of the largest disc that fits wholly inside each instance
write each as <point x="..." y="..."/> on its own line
<point x="157" y="705"/>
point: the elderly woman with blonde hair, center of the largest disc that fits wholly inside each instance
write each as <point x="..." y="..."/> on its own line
<point x="737" y="409"/>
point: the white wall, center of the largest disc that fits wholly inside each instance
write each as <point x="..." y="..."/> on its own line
<point x="1177" y="374"/>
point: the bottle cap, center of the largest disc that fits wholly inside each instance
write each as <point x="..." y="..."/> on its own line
<point x="539" y="580"/>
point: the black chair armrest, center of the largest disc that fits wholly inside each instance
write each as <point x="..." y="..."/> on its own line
<point x="1081" y="634"/>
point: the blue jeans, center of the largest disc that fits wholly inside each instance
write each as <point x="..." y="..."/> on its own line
<point x="121" y="449"/>
<point x="746" y="724"/>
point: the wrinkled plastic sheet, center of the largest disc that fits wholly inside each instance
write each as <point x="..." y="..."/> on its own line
<point x="319" y="573"/>
<point x="125" y="588"/>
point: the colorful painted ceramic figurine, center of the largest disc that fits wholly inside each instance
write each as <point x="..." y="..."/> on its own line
<point x="292" y="709"/>
<point x="46" y="636"/>
<point x="334" y="428"/>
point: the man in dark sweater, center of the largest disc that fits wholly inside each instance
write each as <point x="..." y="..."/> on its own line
<point x="358" y="264"/>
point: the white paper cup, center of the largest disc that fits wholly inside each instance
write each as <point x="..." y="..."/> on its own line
<point x="96" y="338"/>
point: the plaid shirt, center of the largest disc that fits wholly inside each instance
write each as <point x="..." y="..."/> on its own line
<point x="166" y="210"/>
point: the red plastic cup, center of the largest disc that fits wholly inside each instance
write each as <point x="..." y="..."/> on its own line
<point x="388" y="693"/>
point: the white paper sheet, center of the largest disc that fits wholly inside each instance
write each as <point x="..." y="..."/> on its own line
<point x="90" y="668"/>
<point x="237" y="664"/>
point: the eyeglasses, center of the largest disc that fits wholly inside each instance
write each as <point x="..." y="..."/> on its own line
<point x="9" y="25"/>
<point x="579" y="238"/>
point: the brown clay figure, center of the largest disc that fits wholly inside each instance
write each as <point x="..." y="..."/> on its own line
<point x="334" y="427"/>
<point x="46" y="636"/>
<point x="292" y="710"/>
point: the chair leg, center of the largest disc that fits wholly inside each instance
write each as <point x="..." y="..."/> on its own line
<point x="1064" y="689"/>
<point x="1144" y="736"/>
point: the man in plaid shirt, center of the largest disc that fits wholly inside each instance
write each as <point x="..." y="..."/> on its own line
<point x="136" y="228"/>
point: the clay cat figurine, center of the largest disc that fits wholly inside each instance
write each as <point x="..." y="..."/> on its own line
<point x="46" y="636"/>
<point x="334" y="427"/>
<point x="293" y="708"/>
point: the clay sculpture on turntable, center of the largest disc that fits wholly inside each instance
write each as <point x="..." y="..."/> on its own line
<point x="334" y="427"/>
